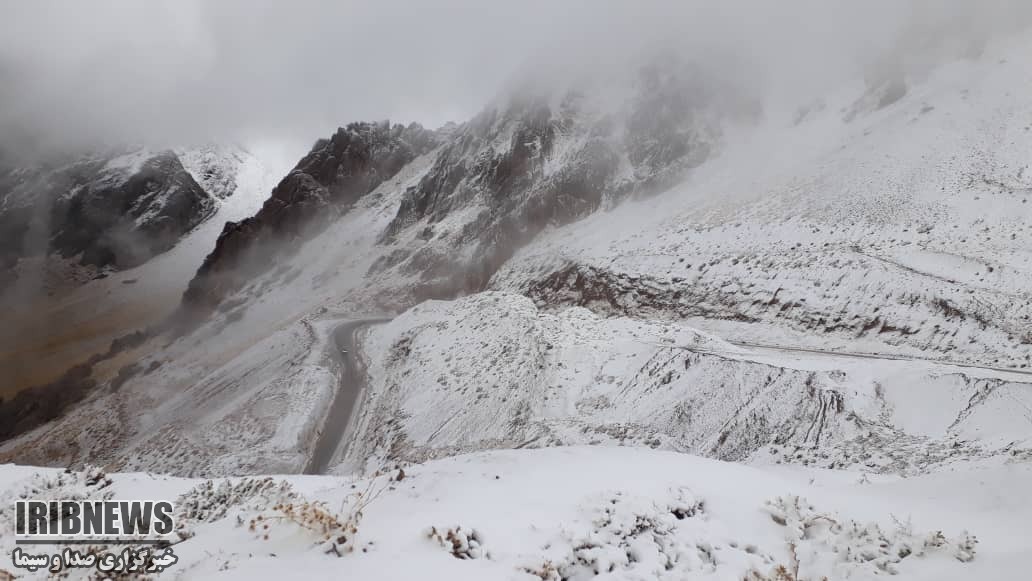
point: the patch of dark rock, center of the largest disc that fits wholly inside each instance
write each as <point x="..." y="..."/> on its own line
<point x="291" y="275"/>
<point x="124" y="374"/>
<point x="35" y="406"/>
<point x="235" y="315"/>
<point x="102" y="216"/>
<point x="881" y="93"/>
<point x="326" y="183"/>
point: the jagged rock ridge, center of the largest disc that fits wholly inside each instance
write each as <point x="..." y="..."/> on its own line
<point x="215" y="167"/>
<point x="539" y="161"/>
<point x="324" y="184"/>
<point x="535" y="160"/>
<point x="114" y="209"/>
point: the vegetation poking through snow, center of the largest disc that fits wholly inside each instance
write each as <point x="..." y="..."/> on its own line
<point x="209" y="502"/>
<point x="461" y="543"/>
<point x="90" y="483"/>
<point x="828" y="541"/>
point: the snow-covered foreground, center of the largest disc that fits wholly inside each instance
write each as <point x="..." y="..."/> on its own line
<point x="584" y="513"/>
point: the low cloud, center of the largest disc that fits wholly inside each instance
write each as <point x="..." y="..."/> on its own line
<point x="189" y="70"/>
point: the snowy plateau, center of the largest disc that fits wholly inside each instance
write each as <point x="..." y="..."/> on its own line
<point x="807" y="357"/>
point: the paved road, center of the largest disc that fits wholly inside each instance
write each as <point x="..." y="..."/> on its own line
<point x="330" y="438"/>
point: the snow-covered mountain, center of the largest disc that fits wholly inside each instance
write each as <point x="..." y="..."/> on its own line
<point x="493" y="371"/>
<point x="548" y="158"/>
<point x="325" y="183"/>
<point x="116" y="208"/>
<point x="51" y="340"/>
<point x="862" y="227"/>
<point x="830" y="292"/>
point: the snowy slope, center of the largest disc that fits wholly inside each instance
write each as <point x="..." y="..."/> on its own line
<point x="893" y="228"/>
<point x="50" y="333"/>
<point x="492" y="371"/>
<point x="902" y="230"/>
<point x="581" y="513"/>
<point x="113" y="208"/>
<point x="812" y="354"/>
<point x="243" y="393"/>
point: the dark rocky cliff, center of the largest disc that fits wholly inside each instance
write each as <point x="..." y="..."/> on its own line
<point x="324" y="184"/>
<point x="112" y="210"/>
<point x="539" y="161"/>
<point x="535" y="160"/>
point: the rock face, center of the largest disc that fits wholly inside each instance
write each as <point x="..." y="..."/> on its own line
<point x="536" y="160"/>
<point x="540" y="161"/>
<point x="105" y="210"/>
<point x="324" y="184"/>
<point x="215" y="167"/>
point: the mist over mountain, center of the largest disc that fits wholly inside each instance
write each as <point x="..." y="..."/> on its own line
<point x="183" y="72"/>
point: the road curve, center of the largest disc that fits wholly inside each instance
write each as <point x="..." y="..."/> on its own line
<point x="329" y="438"/>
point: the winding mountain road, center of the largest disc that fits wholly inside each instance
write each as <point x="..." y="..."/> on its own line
<point x="330" y="437"/>
<point x="788" y="349"/>
<point x="860" y="355"/>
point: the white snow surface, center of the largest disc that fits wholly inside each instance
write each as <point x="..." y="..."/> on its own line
<point x="492" y="371"/>
<point x="794" y="236"/>
<point x="902" y="231"/>
<point x="581" y="513"/>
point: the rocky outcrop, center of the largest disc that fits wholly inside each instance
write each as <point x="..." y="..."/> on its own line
<point x="324" y="184"/>
<point x="539" y="161"/>
<point x="40" y="404"/>
<point x="497" y="163"/>
<point x="115" y="210"/>
<point x="536" y="160"/>
<point x="215" y="167"/>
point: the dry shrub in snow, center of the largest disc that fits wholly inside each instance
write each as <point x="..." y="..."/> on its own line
<point x="822" y="545"/>
<point x="208" y="502"/>
<point x="461" y="543"/>
<point x="334" y="532"/>
<point x="547" y="571"/>
<point x="86" y="484"/>
<point x="630" y="536"/>
<point x="90" y="483"/>
<point x="629" y="531"/>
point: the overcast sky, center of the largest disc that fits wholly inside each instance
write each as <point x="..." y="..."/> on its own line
<point x="190" y="70"/>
